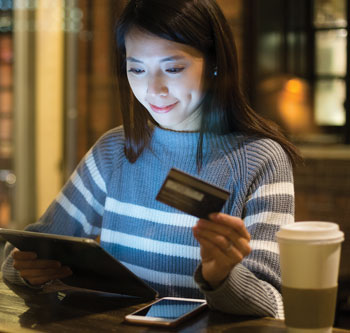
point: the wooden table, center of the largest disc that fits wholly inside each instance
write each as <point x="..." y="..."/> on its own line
<point x="53" y="310"/>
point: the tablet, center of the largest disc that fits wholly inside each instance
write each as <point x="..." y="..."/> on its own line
<point x="92" y="267"/>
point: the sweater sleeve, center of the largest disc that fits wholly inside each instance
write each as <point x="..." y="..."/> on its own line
<point x="78" y="208"/>
<point x="253" y="286"/>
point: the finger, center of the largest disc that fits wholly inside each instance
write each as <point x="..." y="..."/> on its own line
<point x="222" y="258"/>
<point x="238" y="246"/>
<point x="39" y="280"/>
<point x="207" y="249"/>
<point x="243" y="246"/>
<point x="235" y="254"/>
<point x="223" y="236"/>
<point x="219" y="240"/>
<point x="37" y="263"/>
<point x="218" y="228"/>
<point x="31" y="273"/>
<point x="228" y="258"/>
<point x="239" y="242"/>
<point x="23" y="255"/>
<point x="210" y="248"/>
<point x="213" y="248"/>
<point x="231" y="221"/>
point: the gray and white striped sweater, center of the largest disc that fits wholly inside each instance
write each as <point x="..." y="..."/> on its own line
<point x="108" y="197"/>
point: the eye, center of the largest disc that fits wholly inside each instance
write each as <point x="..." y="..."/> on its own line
<point x="175" y="70"/>
<point x="136" y="71"/>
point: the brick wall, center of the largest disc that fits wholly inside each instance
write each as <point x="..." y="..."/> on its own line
<point x="322" y="189"/>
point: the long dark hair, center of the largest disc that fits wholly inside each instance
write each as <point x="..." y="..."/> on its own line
<point x="202" y="25"/>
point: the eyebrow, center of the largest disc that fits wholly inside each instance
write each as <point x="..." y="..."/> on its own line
<point x="171" y="58"/>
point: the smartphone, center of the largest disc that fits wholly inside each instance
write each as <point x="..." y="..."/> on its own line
<point x="167" y="311"/>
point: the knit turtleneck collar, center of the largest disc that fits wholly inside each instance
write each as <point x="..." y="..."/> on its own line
<point x="186" y="142"/>
<point x="174" y="140"/>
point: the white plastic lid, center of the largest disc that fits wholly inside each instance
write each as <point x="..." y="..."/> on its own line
<point x="311" y="231"/>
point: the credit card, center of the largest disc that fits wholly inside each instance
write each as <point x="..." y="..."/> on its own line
<point x="191" y="194"/>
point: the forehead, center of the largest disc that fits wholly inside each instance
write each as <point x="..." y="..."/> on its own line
<point x="143" y="44"/>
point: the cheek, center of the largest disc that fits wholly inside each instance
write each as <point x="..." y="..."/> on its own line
<point x="192" y="85"/>
<point x="189" y="91"/>
<point x="137" y="87"/>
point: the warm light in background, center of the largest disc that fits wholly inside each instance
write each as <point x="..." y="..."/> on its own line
<point x="288" y="101"/>
<point x="294" y="106"/>
<point x="294" y="86"/>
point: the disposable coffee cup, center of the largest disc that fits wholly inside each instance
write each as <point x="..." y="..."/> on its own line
<point x="309" y="258"/>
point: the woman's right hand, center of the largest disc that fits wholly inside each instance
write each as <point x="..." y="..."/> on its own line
<point x="38" y="271"/>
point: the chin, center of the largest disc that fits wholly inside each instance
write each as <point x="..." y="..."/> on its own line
<point x="165" y="124"/>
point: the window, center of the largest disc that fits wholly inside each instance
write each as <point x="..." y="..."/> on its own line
<point x="298" y="53"/>
<point x="330" y="31"/>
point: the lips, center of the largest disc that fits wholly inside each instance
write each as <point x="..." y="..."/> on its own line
<point x="162" y="109"/>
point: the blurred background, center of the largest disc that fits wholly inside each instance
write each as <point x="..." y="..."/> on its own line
<point x="57" y="94"/>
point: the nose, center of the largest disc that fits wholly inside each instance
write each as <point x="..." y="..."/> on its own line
<point x="157" y="86"/>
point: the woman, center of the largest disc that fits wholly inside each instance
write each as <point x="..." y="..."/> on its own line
<point x="182" y="107"/>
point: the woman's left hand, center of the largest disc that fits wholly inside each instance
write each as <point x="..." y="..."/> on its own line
<point x="224" y="242"/>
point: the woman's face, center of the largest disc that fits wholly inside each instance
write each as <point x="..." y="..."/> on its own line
<point x="167" y="79"/>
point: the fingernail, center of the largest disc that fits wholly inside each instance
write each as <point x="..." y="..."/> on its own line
<point x="214" y="216"/>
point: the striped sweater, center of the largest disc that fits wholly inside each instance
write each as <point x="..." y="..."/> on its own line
<point x="109" y="197"/>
